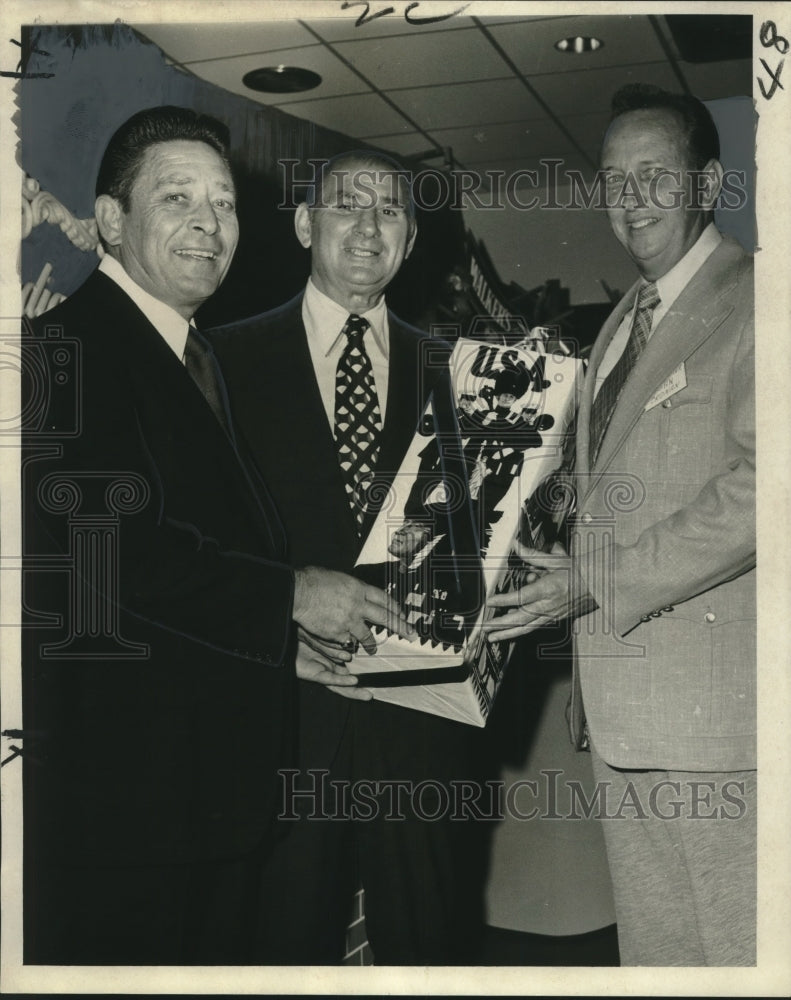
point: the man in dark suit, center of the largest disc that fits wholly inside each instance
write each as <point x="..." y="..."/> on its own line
<point x="663" y="552"/>
<point x="419" y="890"/>
<point x="158" y="696"/>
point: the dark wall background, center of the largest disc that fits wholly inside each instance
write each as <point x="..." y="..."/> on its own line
<point x="94" y="77"/>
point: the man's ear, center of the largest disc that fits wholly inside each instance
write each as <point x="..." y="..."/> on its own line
<point x="411" y="241"/>
<point x="302" y="224"/>
<point x="712" y="185"/>
<point x="109" y="219"/>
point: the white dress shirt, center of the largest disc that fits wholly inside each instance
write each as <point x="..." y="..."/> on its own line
<point x="172" y="327"/>
<point x="669" y="286"/>
<point x="324" y="321"/>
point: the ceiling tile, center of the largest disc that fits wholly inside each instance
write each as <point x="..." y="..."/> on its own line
<point x="343" y="28"/>
<point x="335" y="76"/>
<point x="490" y="142"/>
<point x="408" y="144"/>
<point x="708" y="81"/>
<point x="591" y="90"/>
<point x="468" y="103"/>
<point x="588" y="130"/>
<point x="360" y="115"/>
<point x="505" y="19"/>
<point x="515" y="176"/>
<point x="532" y="45"/>
<point x="188" y="42"/>
<point x="445" y="57"/>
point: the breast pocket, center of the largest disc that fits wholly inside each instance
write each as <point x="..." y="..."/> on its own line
<point x="687" y="432"/>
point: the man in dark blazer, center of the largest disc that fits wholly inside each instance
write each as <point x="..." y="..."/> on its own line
<point x="158" y="681"/>
<point x="281" y="371"/>
<point x="663" y="551"/>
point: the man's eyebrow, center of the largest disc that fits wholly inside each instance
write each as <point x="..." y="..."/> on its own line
<point x="190" y="179"/>
<point x="174" y="179"/>
<point x="647" y="162"/>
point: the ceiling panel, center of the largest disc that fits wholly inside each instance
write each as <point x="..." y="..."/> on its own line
<point x="708" y="81"/>
<point x="591" y="90"/>
<point x="460" y="104"/>
<point x="515" y="139"/>
<point x="339" y="29"/>
<point x="336" y="77"/>
<point x="187" y="42"/>
<point x="444" y="57"/>
<point x="404" y="144"/>
<point x="588" y="130"/>
<point x="449" y="80"/>
<point x="504" y="19"/>
<point x="532" y="45"/>
<point x="515" y="171"/>
<point x="363" y="114"/>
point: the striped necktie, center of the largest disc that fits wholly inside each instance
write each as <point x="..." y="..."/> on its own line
<point x="604" y="404"/>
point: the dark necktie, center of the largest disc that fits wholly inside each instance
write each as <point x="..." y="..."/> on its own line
<point x="200" y="363"/>
<point x="604" y="404"/>
<point x="358" y="422"/>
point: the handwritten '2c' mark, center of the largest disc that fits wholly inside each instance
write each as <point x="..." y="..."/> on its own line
<point x="367" y="16"/>
<point x="771" y="40"/>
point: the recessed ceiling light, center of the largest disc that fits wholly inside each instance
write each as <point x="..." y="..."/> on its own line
<point x="281" y="79"/>
<point x="578" y="44"/>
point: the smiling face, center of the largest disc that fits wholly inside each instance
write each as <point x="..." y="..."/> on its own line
<point x="649" y="179"/>
<point x="359" y="234"/>
<point x="180" y="233"/>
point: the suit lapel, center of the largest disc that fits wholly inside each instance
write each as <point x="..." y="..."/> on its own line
<point x="402" y="411"/>
<point x="700" y="309"/>
<point x="177" y="411"/>
<point x="277" y="364"/>
<point x="586" y="401"/>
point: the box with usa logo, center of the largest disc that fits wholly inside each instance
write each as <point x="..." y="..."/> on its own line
<point x="443" y="539"/>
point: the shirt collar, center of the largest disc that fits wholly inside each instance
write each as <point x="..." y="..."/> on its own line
<point x="172" y="327"/>
<point x="326" y="319"/>
<point x="671" y="285"/>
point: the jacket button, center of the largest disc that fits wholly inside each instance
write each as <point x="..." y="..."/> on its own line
<point x="666" y="404"/>
<point x="586" y="518"/>
<point x="710" y="616"/>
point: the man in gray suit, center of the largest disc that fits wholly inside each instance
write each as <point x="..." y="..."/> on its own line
<point x="661" y="572"/>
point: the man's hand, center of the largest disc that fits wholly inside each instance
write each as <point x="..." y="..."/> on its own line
<point x="331" y="650"/>
<point x="339" y="609"/>
<point x="545" y="598"/>
<point x="313" y="665"/>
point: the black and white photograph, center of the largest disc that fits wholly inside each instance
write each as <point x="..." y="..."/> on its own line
<point x="394" y="511"/>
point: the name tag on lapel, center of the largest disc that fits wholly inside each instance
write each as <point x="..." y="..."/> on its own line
<point x="675" y="382"/>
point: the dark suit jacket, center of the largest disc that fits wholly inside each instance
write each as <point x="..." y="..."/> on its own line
<point x="267" y="365"/>
<point x="169" y="756"/>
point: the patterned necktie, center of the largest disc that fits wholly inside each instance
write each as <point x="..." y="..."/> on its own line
<point x="358" y="422"/>
<point x="604" y="404"/>
<point x="202" y="367"/>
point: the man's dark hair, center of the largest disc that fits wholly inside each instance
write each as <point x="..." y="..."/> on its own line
<point x="368" y="160"/>
<point x="125" y="151"/>
<point x="703" y="141"/>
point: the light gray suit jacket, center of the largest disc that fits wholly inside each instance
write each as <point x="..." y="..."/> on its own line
<point x="665" y="537"/>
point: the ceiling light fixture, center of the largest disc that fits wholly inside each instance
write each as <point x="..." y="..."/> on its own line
<point x="578" y="44"/>
<point x="281" y="79"/>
